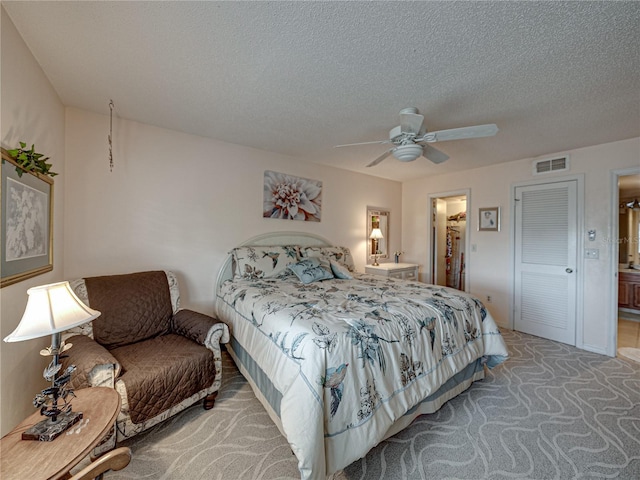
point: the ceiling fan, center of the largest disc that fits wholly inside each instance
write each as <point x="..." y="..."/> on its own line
<point x="411" y="140"/>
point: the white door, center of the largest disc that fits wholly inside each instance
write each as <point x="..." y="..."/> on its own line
<point x="545" y="260"/>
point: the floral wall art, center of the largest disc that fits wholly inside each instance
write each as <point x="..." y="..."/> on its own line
<point x="291" y="198"/>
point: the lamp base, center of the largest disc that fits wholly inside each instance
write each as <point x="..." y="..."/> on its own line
<point x="46" y="430"/>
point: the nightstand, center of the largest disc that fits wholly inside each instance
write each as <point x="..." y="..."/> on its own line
<point x="405" y="271"/>
<point x="35" y="460"/>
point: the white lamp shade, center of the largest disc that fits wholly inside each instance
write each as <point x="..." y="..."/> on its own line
<point x="376" y="233"/>
<point x="51" y="309"/>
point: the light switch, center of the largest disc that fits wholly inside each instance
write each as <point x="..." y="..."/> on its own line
<point x="592" y="253"/>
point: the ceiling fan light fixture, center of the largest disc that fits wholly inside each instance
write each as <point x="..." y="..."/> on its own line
<point x="411" y="139"/>
<point x="407" y="153"/>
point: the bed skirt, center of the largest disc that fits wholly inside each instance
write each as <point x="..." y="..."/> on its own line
<point x="270" y="397"/>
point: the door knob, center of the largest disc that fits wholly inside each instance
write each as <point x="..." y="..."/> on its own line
<point x="569" y="270"/>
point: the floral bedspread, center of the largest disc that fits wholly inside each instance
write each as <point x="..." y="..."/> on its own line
<point x="350" y="357"/>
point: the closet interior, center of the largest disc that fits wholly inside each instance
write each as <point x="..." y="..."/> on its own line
<point x="449" y="241"/>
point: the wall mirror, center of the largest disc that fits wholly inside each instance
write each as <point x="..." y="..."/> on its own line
<point x="377" y="247"/>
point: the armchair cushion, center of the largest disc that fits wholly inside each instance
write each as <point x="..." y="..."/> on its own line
<point x="161" y="372"/>
<point x="92" y="362"/>
<point x="135" y="307"/>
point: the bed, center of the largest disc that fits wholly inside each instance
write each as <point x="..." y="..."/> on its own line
<point x="343" y="361"/>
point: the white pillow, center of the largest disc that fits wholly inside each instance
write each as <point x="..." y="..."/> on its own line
<point x="263" y="262"/>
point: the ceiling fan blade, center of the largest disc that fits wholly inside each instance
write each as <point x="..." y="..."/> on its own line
<point x="411" y="123"/>
<point x="433" y="154"/>
<point x="362" y="143"/>
<point x="380" y="158"/>
<point x="477" y="131"/>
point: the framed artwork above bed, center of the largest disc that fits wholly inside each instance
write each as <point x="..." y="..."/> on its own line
<point x="291" y="198"/>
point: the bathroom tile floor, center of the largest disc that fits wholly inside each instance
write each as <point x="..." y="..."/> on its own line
<point x="628" y="333"/>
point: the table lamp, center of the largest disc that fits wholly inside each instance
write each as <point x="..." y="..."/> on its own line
<point x="376" y="235"/>
<point x="52" y="309"/>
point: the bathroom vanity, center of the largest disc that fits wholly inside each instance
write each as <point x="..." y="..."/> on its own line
<point x="629" y="289"/>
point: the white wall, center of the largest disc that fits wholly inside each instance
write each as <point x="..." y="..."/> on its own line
<point x="489" y="269"/>
<point x="180" y="202"/>
<point x="31" y="112"/>
<point x="173" y="201"/>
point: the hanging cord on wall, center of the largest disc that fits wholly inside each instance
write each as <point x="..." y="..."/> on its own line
<point x="110" y="138"/>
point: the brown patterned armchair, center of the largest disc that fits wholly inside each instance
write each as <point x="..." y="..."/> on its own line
<point x="161" y="359"/>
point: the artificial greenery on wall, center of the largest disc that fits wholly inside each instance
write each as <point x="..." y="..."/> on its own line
<point x="31" y="161"/>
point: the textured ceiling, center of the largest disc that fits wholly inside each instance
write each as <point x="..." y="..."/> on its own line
<point x="300" y="77"/>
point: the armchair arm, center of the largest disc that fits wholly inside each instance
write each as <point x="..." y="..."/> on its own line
<point x="95" y="366"/>
<point x="200" y="328"/>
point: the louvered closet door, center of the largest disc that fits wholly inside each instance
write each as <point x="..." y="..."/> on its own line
<point x="545" y="263"/>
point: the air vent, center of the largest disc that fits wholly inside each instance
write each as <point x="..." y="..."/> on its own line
<point x="549" y="165"/>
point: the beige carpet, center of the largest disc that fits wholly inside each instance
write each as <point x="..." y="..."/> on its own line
<point x="550" y="412"/>
<point x="630" y="353"/>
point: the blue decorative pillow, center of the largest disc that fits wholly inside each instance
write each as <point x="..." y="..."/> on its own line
<point x="342" y="255"/>
<point x="340" y="271"/>
<point x="309" y="270"/>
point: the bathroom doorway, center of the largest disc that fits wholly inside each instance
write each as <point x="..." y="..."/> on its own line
<point x="449" y="239"/>
<point x="628" y="324"/>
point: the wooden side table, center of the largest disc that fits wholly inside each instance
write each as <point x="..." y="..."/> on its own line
<point x="33" y="460"/>
<point x="406" y="271"/>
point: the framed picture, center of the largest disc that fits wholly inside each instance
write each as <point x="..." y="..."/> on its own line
<point x="489" y="219"/>
<point x="291" y="198"/>
<point x="26" y="223"/>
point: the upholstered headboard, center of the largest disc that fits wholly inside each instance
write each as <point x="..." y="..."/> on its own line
<point x="267" y="239"/>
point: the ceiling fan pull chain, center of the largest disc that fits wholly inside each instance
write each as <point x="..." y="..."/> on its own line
<point x="110" y="138"/>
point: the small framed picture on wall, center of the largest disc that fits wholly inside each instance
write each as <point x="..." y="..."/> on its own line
<point x="489" y="219"/>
